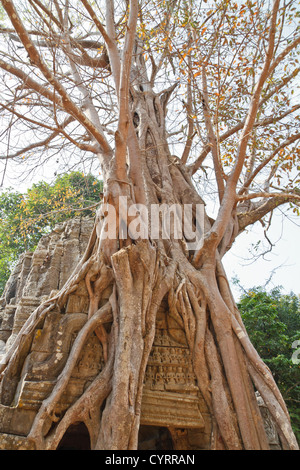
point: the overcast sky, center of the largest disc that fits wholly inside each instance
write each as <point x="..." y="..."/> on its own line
<point x="282" y="264"/>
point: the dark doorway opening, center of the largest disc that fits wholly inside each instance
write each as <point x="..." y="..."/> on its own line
<point x="154" y="438"/>
<point x="76" y="437"/>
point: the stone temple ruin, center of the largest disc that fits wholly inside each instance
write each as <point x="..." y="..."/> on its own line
<point x="174" y="414"/>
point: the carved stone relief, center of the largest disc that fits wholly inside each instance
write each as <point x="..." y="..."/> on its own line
<point x="169" y="366"/>
<point x="269" y="425"/>
<point x="171" y="397"/>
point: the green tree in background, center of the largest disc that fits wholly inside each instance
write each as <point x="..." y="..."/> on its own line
<point x="273" y="324"/>
<point x="24" y="218"/>
<point x="186" y="101"/>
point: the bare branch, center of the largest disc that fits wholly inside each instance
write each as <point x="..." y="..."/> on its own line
<point x="122" y="131"/>
<point x="213" y="143"/>
<point x="282" y="195"/>
<point x="36" y="59"/>
<point x="263" y="164"/>
<point x="241" y="153"/>
<point x="46" y="11"/>
<point x="189" y="110"/>
<point x="283" y="54"/>
<point x="32" y="84"/>
<point x="267" y="205"/>
<point x="262" y="123"/>
<point x="25" y="118"/>
<point x="87" y="100"/>
<point x="109" y="37"/>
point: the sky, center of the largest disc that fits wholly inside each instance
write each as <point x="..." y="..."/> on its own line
<point x="281" y="267"/>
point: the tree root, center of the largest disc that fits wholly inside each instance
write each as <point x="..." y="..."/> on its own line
<point x="200" y="301"/>
<point x="47" y="408"/>
<point x="211" y="319"/>
<point x="86" y="408"/>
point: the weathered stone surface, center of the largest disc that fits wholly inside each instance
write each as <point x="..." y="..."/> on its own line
<point x="12" y="442"/>
<point x="270" y="428"/>
<point x="15" y="420"/>
<point x="38" y="274"/>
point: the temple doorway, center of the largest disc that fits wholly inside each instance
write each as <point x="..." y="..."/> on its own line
<point x="75" y="438"/>
<point x="154" y="438"/>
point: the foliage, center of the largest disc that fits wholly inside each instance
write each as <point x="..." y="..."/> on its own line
<point x="273" y="323"/>
<point x="24" y="218"/>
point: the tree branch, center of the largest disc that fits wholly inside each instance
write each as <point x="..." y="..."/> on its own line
<point x="213" y="143"/>
<point x="123" y="123"/>
<point x="263" y="194"/>
<point x="263" y="123"/>
<point x="46" y="11"/>
<point x="262" y="165"/>
<point x="243" y="142"/>
<point x="109" y="37"/>
<point x="264" y="207"/>
<point x="32" y="84"/>
<point x="229" y="200"/>
<point x="114" y="56"/>
<point x="87" y="100"/>
<point x="189" y="110"/>
<point x="283" y="54"/>
<point x="67" y="104"/>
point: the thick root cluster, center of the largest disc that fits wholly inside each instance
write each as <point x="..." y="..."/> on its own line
<point x="225" y="363"/>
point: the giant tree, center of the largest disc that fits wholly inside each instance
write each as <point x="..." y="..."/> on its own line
<point x="180" y="101"/>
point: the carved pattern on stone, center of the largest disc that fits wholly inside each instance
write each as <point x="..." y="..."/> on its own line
<point x="269" y="425"/>
<point x="169" y="366"/>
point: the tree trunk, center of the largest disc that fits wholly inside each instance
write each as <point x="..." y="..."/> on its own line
<point x="139" y="274"/>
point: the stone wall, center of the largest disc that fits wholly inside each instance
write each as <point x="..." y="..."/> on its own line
<point x="38" y="274"/>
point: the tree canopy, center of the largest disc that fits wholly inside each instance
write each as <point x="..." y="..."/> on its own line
<point x="24" y="218"/>
<point x="231" y="68"/>
<point x="273" y="322"/>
